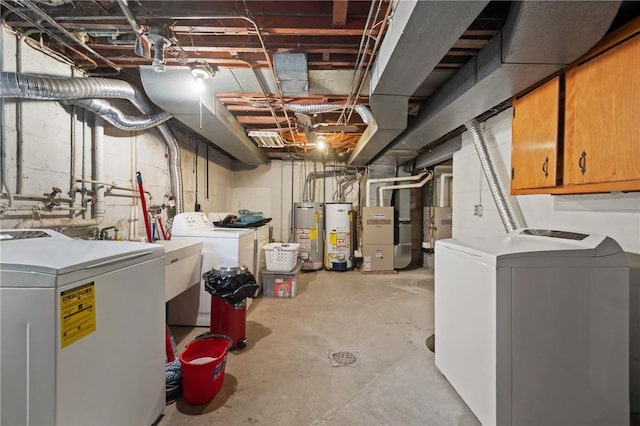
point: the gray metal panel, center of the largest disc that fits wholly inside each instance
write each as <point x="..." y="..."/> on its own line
<point x="494" y="89"/>
<point x="418" y="37"/>
<point x="439" y="153"/>
<point x="555" y="32"/>
<point x="529" y="49"/>
<point x="333" y="82"/>
<point x="570" y="346"/>
<point x="203" y="113"/>
<point x="291" y="70"/>
<point x="390" y="111"/>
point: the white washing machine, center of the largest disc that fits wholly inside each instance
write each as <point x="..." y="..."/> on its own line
<point x="221" y="247"/>
<point x="532" y="328"/>
<point x="68" y="355"/>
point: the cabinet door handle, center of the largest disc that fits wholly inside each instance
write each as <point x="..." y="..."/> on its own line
<point x="545" y="167"/>
<point x="582" y="162"/>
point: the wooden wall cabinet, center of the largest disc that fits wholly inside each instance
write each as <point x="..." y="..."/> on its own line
<point x="535" y="137"/>
<point x="602" y="137"/>
<point x="580" y="131"/>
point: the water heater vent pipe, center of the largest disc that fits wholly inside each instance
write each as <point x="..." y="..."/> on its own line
<point x="404" y="186"/>
<point x="390" y="179"/>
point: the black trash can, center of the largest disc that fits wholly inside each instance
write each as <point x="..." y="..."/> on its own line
<point x="229" y="289"/>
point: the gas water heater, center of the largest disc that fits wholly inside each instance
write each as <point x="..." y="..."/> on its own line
<point x="307" y="231"/>
<point x="338" y="249"/>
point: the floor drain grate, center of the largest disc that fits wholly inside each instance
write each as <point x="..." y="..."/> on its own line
<point x="343" y="358"/>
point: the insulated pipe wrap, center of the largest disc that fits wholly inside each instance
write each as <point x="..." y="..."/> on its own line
<point x="503" y="205"/>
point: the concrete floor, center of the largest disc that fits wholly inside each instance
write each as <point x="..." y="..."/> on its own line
<point x="285" y="375"/>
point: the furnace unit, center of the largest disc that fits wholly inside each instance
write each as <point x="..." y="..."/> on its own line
<point x="377" y="239"/>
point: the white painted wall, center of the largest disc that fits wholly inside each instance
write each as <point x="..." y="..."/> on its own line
<point x="614" y="214"/>
<point x="273" y="188"/>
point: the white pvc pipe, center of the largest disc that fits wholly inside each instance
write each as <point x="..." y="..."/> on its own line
<point x="443" y="181"/>
<point x="99" y="164"/>
<point x="405" y="186"/>
<point x="391" y="179"/>
<point x="58" y="223"/>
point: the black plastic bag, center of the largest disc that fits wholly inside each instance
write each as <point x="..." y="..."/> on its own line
<point x="232" y="288"/>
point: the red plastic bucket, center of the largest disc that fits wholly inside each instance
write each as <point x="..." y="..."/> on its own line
<point x="203" y="362"/>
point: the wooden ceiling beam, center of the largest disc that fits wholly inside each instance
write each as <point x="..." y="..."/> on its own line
<point x="339" y="14"/>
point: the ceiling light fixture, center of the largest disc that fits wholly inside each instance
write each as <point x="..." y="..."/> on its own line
<point x="199" y="76"/>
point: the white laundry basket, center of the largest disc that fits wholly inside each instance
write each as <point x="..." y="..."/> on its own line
<point x="281" y="257"/>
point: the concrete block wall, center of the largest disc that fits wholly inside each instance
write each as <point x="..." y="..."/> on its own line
<point x="47" y="135"/>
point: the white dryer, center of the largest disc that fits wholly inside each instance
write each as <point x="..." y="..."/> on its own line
<point x="67" y="310"/>
<point x="532" y="328"/>
<point x="221" y="247"/>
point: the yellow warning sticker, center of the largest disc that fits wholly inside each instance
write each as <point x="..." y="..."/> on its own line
<point x="333" y="238"/>
<point x="313" y="234"/>
<point x="77" y="313"/>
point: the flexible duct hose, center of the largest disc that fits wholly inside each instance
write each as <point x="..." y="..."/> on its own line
<point x="118" y="118"/>
<point x="13" y="85"/>
<point x="503" y="205"/>
<point x="362" y="110"/>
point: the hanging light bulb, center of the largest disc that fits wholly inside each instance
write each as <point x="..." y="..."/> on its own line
<point x="321" y="145"/>
<point x="199" y="84"/>
<point x="199" y="76"/>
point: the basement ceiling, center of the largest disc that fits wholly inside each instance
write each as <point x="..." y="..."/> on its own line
<point x="290" y="75"/>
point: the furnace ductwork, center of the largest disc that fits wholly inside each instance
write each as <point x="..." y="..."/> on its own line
<point x="13" y="85"/>
<point x="362" y="110"/>
<point x="118" y="118"/>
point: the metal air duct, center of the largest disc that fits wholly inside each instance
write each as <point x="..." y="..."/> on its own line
<point x="174" y="91"/>
<point x="538" y="39"/>
<point x="118" y="118"/>
<point x="27" y="86"/>
<point x="505" y="210"/>
<point x="399" y="71"/>
<point x="362" y="110"/>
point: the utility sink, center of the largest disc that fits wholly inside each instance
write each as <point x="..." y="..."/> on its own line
<point x="183" y="262"/>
